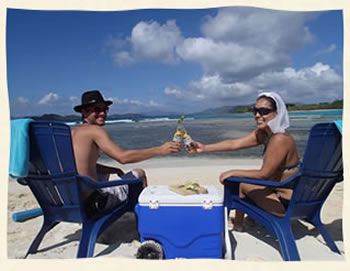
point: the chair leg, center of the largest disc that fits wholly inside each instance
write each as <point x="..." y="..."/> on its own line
<point x="88" y="239"/>
<point x="134" y="192"/>
<point x="47" y="226"/>
<point x="316" y="221"/>
<point x="286" y="240"/>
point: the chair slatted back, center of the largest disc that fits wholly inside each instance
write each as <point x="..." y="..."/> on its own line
<point x="52" y="176"/>
<point x="322" y="165"/>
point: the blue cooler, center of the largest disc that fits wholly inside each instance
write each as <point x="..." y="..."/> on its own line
<point x="190" y="226"/>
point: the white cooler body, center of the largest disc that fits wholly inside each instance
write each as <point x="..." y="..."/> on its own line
<point x="190" y="226"/>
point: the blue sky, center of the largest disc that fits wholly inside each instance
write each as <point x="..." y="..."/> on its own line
<point x="171" y="60"/>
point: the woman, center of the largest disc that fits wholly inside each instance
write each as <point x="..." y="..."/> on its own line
<point x="281" y="158"/>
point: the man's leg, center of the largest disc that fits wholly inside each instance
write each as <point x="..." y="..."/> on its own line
<point x="141" y="174"/>
<point x="135" y="189"/>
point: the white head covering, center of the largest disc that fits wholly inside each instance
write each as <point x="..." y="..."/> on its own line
<point x="280" y="123"/>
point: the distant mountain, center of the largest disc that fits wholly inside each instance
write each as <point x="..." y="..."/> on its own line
<point x="155" y="113"/>
<point x="223" y="109"/>
<point x="57" y="117"/>
<point x="126" y="116"/>
<point x="54" y="117"/>
<point x="337" y="104"/>
<point x="218" y="110"/>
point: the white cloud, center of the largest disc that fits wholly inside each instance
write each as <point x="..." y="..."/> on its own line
<point x="173" y="91"/>
<point x="308" y="85"/>
<point x="123" y="58"/>
<point x="238" y="43"/>
<point x="241" y="43"/>
<point x="231" y="60"/>
<point x="318" y="83"/>
<point x="150" y="41"/>
<point x="50" y="103"/>
<point x="73" y="99"/>
<point x="116" y="43"/>
<point x="326" y="51"/>
<point x="125" y="105"/>
<point x="242" y="51"/>
<point x="23" y="100"/>
<point x="153" y="41"/>
<point x="50" y="98"/>
<point x="133" y="102"/>
<point x="153" y="104"/>
<point x="212" y="88"/>
<point x="261" y="28"/>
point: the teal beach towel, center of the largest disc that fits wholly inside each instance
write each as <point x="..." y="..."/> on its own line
<point x="19" y="148"/>
<point x="339" y="124"/>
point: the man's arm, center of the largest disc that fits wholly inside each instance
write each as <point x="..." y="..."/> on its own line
<point x="106" y="144"/>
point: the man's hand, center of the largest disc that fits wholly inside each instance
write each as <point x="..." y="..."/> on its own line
<point x="169" y="148"/>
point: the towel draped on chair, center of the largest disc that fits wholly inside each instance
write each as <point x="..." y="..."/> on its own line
<point x="19" y="148"/>
<point x="339" y="124"/>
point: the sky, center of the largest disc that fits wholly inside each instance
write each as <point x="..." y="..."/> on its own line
<point x="171" y="61"/>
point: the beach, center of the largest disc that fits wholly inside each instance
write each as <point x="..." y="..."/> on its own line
<point x="121" y="239"/>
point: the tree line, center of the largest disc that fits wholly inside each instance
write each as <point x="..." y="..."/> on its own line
<point x="337" y="104"/>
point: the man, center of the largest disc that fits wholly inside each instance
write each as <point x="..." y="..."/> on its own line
<point x="90" y="138"/>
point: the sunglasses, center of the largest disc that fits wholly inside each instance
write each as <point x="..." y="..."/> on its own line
<point x="97" y="109"/>
<point x="262" y="111"/>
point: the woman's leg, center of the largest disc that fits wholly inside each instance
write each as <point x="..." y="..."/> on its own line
<point x="264" y="197"/>
<point x="285" y="193"/>
<point x="238" y="221"/>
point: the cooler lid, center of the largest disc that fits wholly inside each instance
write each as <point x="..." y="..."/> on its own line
<point x="162" y="195"/>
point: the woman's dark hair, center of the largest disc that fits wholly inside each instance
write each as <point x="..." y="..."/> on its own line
<point x="272" y="101"/>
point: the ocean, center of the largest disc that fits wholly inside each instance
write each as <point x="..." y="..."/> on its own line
<point x="148" y="132"/>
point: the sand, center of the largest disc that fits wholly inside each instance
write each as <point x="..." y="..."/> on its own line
<point x="121" y="239"/>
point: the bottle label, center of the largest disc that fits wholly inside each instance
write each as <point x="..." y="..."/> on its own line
<point x="177" y="138"/>
<point x="188" y="140"/>
<point x="189" y="145"/>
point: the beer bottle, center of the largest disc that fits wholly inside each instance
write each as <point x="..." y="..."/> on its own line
<point x="180" y="130"/>
<point x="189" y="143"/>
<point x="178" y="134"/>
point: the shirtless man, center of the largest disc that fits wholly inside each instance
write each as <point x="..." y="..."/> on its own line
<point x="90" y="138"/>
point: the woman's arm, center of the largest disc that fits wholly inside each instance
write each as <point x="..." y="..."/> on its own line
<point x="248" y="141"/>
<point x="275" y="156"/>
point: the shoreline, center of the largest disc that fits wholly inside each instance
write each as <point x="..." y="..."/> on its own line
<point x="186" y="161"/>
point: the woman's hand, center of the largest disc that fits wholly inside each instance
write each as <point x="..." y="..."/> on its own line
<point x="199" y="146"/>
<point x="225" y="175"/>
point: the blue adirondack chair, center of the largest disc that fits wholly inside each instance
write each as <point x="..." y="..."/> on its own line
<point x="322" y="168"/>
<point x="57" y="186"/>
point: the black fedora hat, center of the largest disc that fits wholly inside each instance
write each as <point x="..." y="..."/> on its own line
<point x="90" y="98"/>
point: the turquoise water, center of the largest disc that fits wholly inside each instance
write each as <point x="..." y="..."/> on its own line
<point x="154" y="131"/>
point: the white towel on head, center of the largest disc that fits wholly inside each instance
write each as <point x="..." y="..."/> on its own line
<point x="280" y="123"/>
